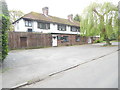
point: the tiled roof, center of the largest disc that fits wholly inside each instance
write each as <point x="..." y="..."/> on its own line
<point x="41" y="17"/>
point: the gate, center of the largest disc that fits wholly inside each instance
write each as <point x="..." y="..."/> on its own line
<point x="23" y="42"/>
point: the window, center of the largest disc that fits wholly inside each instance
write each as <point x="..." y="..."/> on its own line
<point x="29" y="30"/>
<point x="75" y="29"/>
<point x="28" y="23"/>
<point x="18" y="25"/>
<point x="77" y="38"/>
<point x="65" y="39"/>
<point x="42" y="25"/>
<point x="61" y="27"/>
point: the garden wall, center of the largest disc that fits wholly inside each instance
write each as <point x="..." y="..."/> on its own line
<point x="29" y="40"/>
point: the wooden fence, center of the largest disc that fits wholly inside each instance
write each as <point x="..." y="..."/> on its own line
<point x="29" y="40"/>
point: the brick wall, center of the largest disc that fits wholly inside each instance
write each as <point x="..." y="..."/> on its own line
<point x="19" y="40"/>
<point x="72" y="40"/>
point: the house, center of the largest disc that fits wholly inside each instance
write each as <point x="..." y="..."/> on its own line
<point x="64" y="31"/>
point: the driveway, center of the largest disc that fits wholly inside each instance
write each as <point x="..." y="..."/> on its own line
<point x="25" y="65"/>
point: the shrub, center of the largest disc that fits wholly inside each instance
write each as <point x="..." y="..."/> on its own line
<point x="5" y="27"/>
<point x="97" y="41"/>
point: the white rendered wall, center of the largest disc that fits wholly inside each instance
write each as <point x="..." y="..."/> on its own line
<point x="21" y="25"/>
<point x="53" y="28"/>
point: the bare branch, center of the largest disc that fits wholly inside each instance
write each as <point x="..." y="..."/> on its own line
<point x="97" y="13"/>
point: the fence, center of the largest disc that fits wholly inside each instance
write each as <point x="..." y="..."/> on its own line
<point x="29" y="40"/>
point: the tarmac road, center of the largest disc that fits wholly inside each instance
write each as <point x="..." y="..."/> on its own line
<point x="24" y="65"/>
<point x="100" y="73"/>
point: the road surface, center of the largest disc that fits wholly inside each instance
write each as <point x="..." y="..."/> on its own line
<point x="101" y="73"/>
<point x="25" y="65"/>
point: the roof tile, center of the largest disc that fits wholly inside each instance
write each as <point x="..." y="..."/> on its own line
<point x="53" y="19"/>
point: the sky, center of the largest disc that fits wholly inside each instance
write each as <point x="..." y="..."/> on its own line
<point x="58" y="8"/>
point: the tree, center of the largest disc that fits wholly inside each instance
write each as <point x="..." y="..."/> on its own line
<point x="119" y="21"/>
<point x="0" y="38"/>
<point x="5" y="27"/>
<point x="77" y="18"/>
<point x="100" y="19"/>
<point x="14" y="15"/>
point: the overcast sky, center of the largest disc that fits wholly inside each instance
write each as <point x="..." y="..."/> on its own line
<point x="59" y="8"/>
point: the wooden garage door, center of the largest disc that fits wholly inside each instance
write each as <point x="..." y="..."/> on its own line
<point x="23" y="42"/>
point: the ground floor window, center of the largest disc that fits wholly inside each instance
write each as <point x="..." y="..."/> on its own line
<point x="65" y="39"/>
<point x="77" y="38"/>
<point x="29" y="30"/>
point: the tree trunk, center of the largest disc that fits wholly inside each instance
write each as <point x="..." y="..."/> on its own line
<point x="106" y="37"/>
<point x="107" y="40"/>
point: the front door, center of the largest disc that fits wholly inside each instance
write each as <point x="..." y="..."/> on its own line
<point x="54" y="40"/>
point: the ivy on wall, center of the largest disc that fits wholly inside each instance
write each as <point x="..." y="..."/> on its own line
<point x="4" y="27"/>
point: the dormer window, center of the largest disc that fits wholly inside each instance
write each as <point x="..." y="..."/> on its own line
<point x="28" y="23"/>
<point x="61" y="27"/>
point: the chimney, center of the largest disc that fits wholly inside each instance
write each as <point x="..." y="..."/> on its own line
<point x="70" y="17"/>
<point x="45" y="11"/>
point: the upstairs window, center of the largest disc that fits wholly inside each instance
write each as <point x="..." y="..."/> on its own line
<point x="61" y="27"/>
<point x="28" y="23"/>
<point x="42" y="25"/>
<point x="75" y="29"/>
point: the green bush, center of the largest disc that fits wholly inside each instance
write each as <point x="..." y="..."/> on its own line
<point x="97" y="41"/>
<point x="5" y="23"/>
<point x="5" y="27"/>
<point x="0" y="41"/>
